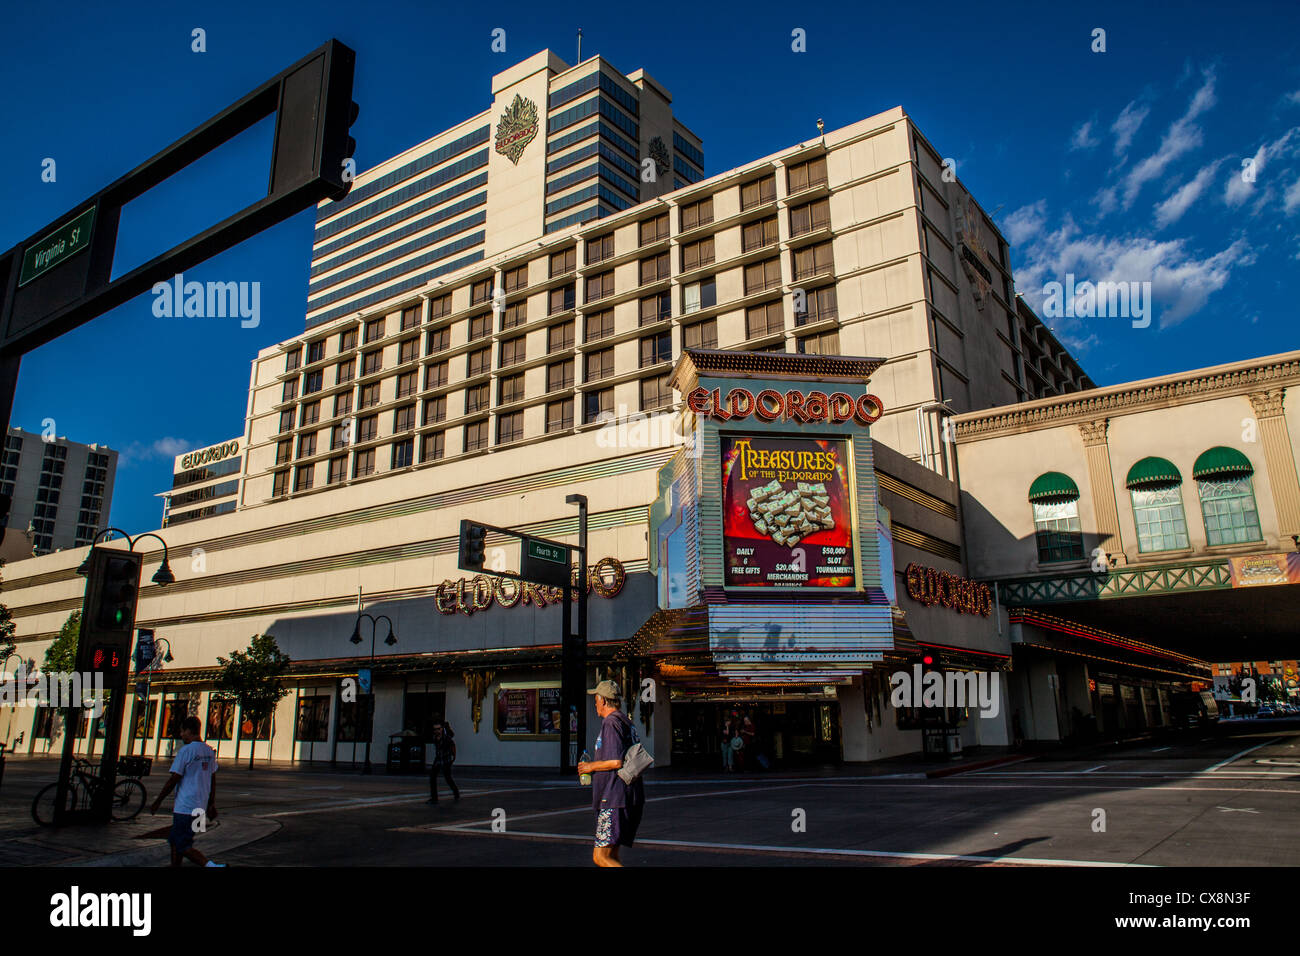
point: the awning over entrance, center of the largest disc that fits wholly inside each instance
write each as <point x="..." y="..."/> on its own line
<point x="1153" y="472"/>
<point x="1053" y="486"/>
<point x="1222" y="462"/>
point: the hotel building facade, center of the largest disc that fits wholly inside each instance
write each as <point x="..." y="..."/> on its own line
<point x="61" y="490"/>
<point x="519" y="309"/>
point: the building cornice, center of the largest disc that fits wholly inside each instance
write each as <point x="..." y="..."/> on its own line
<point x="1199" y="385"/>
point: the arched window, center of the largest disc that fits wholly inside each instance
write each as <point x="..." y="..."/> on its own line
<point x="1055" y="500"/>
<point x="1227" y="497"/>
<point x="1155" y="485"/>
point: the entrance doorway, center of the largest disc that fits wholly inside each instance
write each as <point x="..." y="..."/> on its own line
<point x="787" y="733"/>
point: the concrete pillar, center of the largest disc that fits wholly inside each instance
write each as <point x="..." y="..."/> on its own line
<point x="855" y="738"/>
<point x="1279" y="458"/>
<point x="1102" y="483"/>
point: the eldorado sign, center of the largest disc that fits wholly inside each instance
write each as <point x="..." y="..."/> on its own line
<point x="769" y="405"/>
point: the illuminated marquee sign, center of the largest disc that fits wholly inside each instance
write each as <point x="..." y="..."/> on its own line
<point x="769" y="405"/>
<point x="606" y="577"/>
<point x="930" y="586"/>
<point x="208" y="455"/>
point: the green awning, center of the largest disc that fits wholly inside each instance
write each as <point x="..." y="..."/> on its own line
<point x="1053" y="486"/>
<point x="1153" y="472"/>
<point x="1222" y="462"/>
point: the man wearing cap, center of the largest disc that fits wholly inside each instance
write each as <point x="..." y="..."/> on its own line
<point x="618" y="805"/>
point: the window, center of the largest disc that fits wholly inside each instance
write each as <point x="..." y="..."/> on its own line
<point x="656" y="308"/>
<point x="480" y="327"/>
<point x="559" y="337"/>
<point x="339" y="436"/>
<point x="559" y="375"/>
<point x="374" y="331"/>
<point x="303" y="476"/>
<point x="307" y="445"/>
<point x="476" y="398"/>
<point x="559" y="415"/>
<point x="599" y="287"/>
<point x="655" y="268"/>
<point x="762" y="276"/>
<point x="338" y="470"/>
<point x="806" y="175"/>
<point x="810" y="217"/>
<point x="756" y="235"/>
<point x="283" y="452"/>
<point x="512" y="351"/>
<point x="701" y="335"/>
<point x="280" y="484"/>
<point x="654" y="230"/>
<point x="438" y="340"/>
<point x="290" y="391"/>
<point x="813" y="260"/>
<point x="600" y="249"/>
<point x="825" y="343"/>
<point x="818" y="305"/>
<point x="656" y="393"/>
<point x="563" y="263"/>
<point x="758" y="192"/>
<point x="1228" y="507"/>
<point x="561" y="300"/>
<point x="600" y="325"/>
<point x="478" y="362"/>
<point x="476" y="436"/>
<point x="293" y="360"/>
<point x="406" y="383"/>
<point x="510" y="427"/>
<point x="440" y="306"/>
<point x="511" y="389"/>
<point x="345" y="372"/>
<point x="699" y="295"/>
<point x="697" y="214"/>
<point x="347" y="340"/>
<point x="514" y="315"/>
<point x="311" y="413"/>
<point x="315" y="351"/>
<point x="343" y="404"/>
<point x="408" y="351"/>
<point x="435" y="410"/>
<point x="363" y="463"/>
<point x="404" y="419"/>
<point x="697" y="254"/>
<point x="656" y="349"/>
<point x="599" y="365"/>
<point x="764" y="320"/>
<point x="369" y="395"/>
<point x="410" y="318"/>
<point x="597" y="405"/>
<point x="1057" y="531"/>
<point x="367" y="428"/>
<point x="372" y="362"/>
<point x="480" y="292"/>
<point x="515" y="279"/>
<point x="403" y="453"/>
<point x="286" y="420"/>
<point x="433" y="446"/>
<point x="435" y="376"/>
<point x="1158" y="514"/>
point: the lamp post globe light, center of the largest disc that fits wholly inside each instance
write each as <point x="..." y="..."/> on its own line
<point x="390" y="640"/>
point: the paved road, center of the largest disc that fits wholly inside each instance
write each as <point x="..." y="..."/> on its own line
<point x="1223" y="800"/>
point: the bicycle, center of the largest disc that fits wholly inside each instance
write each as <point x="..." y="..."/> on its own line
<point x="84" y="784"/>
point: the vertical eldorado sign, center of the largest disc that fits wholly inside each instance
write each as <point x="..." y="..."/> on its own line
<point x="787" y="517"/>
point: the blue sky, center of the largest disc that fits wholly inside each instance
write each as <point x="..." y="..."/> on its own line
<point x="1118" y="165"/>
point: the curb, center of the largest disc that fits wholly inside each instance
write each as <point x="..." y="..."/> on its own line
<point x="214" y="844"/>
<point x="978" y="765"/>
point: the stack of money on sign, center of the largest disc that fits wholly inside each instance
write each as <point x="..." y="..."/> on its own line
<point x="787" y="517"/>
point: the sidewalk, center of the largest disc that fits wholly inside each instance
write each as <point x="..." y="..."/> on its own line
<point x="139" y="842"/>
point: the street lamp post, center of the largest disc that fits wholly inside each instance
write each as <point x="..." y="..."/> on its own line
<point x="574" y="651"/>
<point x="390" y="640"/>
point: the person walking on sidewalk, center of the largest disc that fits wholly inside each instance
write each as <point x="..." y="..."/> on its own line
<point x="444" y="755"/>
<point x="193" y="777"/>
<point x="618" y="805"/>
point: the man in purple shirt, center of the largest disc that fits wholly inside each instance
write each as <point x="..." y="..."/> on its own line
<point x="618" y="805"/>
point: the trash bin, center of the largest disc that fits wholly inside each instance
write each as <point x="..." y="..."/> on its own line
<point x="405" y="753"/>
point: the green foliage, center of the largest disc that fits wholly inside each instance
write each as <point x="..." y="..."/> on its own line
<point x="61" y="656"/>
<point x="255" y="678"/>
<point x="6" y="625"/>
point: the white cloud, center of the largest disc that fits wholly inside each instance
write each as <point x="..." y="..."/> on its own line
<point x="1172" y="209"/>
<point x="1291" y="198"/>
<point x="1025" y="223"/>
<point x="1083" y="138"/>
<point x="1293" y="97"/>
<point x="1239" y="189"/>
<point x="162" y="448"/>
<point x="1182" y="137"/>
<point x="1126" y="125"/>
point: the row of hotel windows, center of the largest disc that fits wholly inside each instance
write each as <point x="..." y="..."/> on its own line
<point x="1225" y="492"/>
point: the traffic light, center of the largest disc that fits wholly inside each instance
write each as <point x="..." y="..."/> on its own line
<point x="113" y="588"/>
<point x="473" y="545"/>
<point x="338" y="148"/>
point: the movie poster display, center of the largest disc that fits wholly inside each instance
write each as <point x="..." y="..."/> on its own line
<point x="528" y="713"/>
<point x="787" y="512"/>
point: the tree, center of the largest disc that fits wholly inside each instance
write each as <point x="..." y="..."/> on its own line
<point x="7" y="626"/>
<point x="254" y="678"/>
<point x="61" y="656"/>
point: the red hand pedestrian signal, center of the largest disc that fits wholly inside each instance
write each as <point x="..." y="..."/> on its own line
<point x="99" y="660"/>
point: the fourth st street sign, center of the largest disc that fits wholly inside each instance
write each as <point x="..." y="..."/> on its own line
<point x="545" y="563"/>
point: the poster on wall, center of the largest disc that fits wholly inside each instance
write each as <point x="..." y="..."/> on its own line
<point x="1256" y="569"/>
<point x="548" y="711"/>
<point x="787" y="519"/>
<point x="516" y="711"/>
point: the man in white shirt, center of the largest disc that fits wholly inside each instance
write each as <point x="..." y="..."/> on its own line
<point x="193" y="777"/>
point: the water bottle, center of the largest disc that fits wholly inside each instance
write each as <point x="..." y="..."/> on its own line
<point x="585" y="778"/>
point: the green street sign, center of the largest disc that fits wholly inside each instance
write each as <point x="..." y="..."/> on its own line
<point x="59" y="246"/>
<point x="547" y="552"/>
